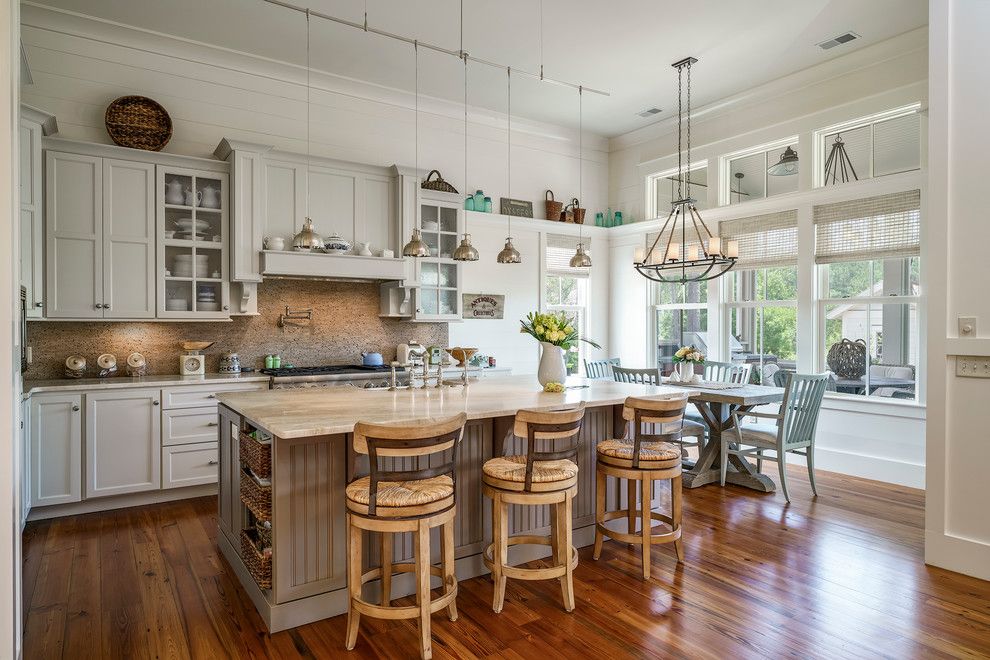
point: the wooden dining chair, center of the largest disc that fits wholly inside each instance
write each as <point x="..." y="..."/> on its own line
<point x="648" y="376"/>
<point x="689" y="428"/>
<point x="794" y="429"/>
<point x="600" y="369"/>
<point x="727" y="372"/>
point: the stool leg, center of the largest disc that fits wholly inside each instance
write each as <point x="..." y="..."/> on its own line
<point x="676" y="503"/>
<point x="631" y="501"/>
<point x="422" y="551"/>
<point x="646" y="484"/>
<point x="353" y="582"/>
<point x="500" y="533"/>
<point x="566" y="522"/>
<point x="386" y="568"/>
<point x="447" y="561"/>
<point x="600" y="486"/>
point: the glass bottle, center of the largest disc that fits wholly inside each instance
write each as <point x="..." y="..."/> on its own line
<point x="608" y="217"/>
<point x="618" y="218"/>
<point x="469" y="203"/>
<point x="488" y="204"/>
<point x="269" y="361"/>
<point x="479" y="200"/>
<point x="599" y="219"/>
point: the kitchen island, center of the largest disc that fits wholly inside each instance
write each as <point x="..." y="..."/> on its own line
<point x="307" y="440"/>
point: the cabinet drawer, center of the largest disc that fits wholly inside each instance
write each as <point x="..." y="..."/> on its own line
<point x="184" y="426"/>
<point x="189" y="465"/>
<point x="202" y="396"/>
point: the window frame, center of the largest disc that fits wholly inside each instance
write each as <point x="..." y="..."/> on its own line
<point x="652" y="210"/>
<point x="579" y="310"/>
<point x="725" y="168"/>
<point x="656" y="307"/>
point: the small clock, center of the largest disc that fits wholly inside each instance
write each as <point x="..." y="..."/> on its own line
<point x="192" y="365"/>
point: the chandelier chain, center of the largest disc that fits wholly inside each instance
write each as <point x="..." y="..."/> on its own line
<point x="680" y="131"/>
<point x="689" y="129"/>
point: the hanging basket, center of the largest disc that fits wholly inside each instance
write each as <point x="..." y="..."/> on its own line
<point x="437" y="184"/>
<point x="139" y="123"/>
<point x="555" y="209"/>
<point x="847" y="358"/>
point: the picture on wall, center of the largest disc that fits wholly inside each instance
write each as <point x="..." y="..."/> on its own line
<point x="483" y="306"/>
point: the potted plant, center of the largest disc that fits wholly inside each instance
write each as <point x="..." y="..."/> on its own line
<point x="556" y="333"/>
<point x="684" y="359"/>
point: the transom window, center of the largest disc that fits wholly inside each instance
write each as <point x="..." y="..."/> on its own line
<point x="662" y="189"/>
<point x="746" y="174"/>
<point x="878" y="145"/>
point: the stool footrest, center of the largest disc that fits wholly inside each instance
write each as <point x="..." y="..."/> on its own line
<point x="669" y="536"/>
<point x="376" y="573"/>
<point x="519" y="573"/>
<point x="405" y="612"/>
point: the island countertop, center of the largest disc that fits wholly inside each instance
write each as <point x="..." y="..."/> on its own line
<point x="303" y="413"/>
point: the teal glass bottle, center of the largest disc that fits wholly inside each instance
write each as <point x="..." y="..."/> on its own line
<point x="618" y="218"/>
<point x="479" y="201"/>
<point x="469" y="203"/>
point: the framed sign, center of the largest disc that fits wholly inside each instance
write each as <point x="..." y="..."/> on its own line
<point x="516" y="207"/>
<point x="482" y="306"/>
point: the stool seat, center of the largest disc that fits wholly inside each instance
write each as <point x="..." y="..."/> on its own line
<point x="402" y="493"/>
<point x="648" y="451"/>
<point x="509" y="473"/>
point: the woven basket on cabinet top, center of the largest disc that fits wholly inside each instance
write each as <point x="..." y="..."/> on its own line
<point x="139" y="123"/>
<point x="437" y="184"/>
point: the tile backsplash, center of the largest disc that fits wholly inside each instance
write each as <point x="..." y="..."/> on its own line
<point x="345" y="323"/>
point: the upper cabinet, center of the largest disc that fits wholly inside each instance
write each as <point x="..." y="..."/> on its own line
<point x="33" y="125"/>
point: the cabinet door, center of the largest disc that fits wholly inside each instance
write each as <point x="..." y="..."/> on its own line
<point x="25" y="447"/>
<point x="128" y="239"/>
<point x="32" y="229"/>
<point x="189" y="465"/>
<point x="123" y="442"/>
<point x="74" y="235"/>
<point x="55" y="429"/>
<point x="230" y="509"/>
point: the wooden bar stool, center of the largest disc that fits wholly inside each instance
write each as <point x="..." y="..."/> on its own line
<point x="646" y="458"/>
<point x="539" y="477"/>
<point x="404" y="500"/>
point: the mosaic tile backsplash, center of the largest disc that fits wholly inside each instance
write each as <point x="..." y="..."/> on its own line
<point x="345" y="323"/>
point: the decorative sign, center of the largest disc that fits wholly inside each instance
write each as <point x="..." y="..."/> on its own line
<point x="516" y="207"/>
<point x="482" y="306"/>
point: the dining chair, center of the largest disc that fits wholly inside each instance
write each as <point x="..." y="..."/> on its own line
<point x="600" y="369"/>
<point x="648" y="376"/>
<point x="794" y="429"/>
<point x="722" y="372"/>
<point x="689" y="428"/>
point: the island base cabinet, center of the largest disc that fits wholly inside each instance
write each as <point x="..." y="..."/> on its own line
<point x="230" y="509"/>
<point x="123" y="442"/>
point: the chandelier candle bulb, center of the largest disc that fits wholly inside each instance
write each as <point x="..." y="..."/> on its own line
<point x="692" y="253"/>
<point x="638" y="255"/>
<point x="714" y="246"/>
<point x="673" y="251"/>
<point x="732" y="249"/>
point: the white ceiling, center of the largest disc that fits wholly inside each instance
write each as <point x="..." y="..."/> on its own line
<point x="623" y="46"/>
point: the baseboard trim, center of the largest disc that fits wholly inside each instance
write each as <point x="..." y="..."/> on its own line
<point x="957" y="554"/>
<point x="878" y="468"/>
<point x="120" y="501"/>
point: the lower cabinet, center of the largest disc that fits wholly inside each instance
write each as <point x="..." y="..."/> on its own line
<point x="189" y="465"/>
<point x="55" y="456"/>
<point x="123" y="442"/>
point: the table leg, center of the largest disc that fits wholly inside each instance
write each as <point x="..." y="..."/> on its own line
<point x="740" y="472"/>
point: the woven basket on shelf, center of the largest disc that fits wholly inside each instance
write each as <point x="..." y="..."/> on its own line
<point x="139" y="123"/>
<point x="256" y="455"/>
<point x="258" y="564"/>
<point x="555" y="209"/>
<point x="256" y="497"/>
<point x="437" y="184"/>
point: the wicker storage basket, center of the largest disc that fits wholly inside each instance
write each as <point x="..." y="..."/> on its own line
<point x="139" y="123"/>
<point x="258" y="563"/>
<point x="256" y="497"/>
<point x="437" y="184"/>
<point x="847" y="358"/>
<point x="264" y="531"/>
<point x="555" y="209"/>
<point x="256" y="455"/>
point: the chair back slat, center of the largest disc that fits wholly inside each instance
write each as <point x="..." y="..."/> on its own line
<point x="727" y="372"/>
<point x="802" y="404"/>
<point x="553" y="426"/>
<point x="660" y="410"/>
<point x="600" y="369"/>
<point x="649" y="376"/>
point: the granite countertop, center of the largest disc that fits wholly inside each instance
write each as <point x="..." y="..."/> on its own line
<point x="117" y="382"/>
<point x="323" y="411"/>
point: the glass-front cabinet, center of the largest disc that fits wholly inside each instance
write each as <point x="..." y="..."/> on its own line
<point x="192" y="233"/>
<point x="438" y="294"/>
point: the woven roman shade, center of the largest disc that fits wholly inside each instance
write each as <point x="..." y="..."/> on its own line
<point x="765" y="241"/>
<point x="560" y="249"/>
<point x="882" y="227"/>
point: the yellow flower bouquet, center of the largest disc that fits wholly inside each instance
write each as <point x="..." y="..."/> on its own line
<point x="689" y="354"/>
<point x="555" y="328"/>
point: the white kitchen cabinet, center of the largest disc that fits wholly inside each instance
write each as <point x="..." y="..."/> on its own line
<point x="33" y="125"/>
<point x="190" y="465"/>
<point x="123" y="442"/>
<point x="25" y="447"/>
<point x="55" y="430"/>
<point x="189" y="425"/>
<point x="128" y="239"/>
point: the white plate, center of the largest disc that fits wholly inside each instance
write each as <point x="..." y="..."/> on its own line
<point x="187" y="224"/>
<point x="177" y="305"/>
<point x="208" y="306"/>
<point x="188" y="257"/>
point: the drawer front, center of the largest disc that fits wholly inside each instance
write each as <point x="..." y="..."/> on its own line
<point x="189" y="465"/>
<point x="188" y="426"/>
<point x="203" y="396"/>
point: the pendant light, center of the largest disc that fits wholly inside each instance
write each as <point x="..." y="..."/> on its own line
<point x="416" y="247"/>
<point x="786" y="166"/>
<point x="581" y="259"/>
<point x="307" y="238"/>
<point x="465" y="251"/>
<point x="509" y="254"/>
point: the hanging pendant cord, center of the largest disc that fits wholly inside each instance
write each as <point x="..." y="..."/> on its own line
<point x="508" y="118"/>
<point x="466" y="188"/>
<point x="541" y="39"/>
<point x="580" y="159"/>
<point x="416" y="131"/>
<point x="307" y="113"/>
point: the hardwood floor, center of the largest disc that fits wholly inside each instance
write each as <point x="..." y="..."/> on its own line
<point x="840" y="576"/>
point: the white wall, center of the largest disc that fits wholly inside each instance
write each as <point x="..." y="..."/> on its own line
<point x="957" y="526"/>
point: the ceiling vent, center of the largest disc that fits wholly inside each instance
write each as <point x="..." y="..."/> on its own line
<point x="649" y="112"/>
<point x="838" y="41"/>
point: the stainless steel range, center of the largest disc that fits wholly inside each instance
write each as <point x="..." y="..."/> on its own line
<point x="333" y="376"/>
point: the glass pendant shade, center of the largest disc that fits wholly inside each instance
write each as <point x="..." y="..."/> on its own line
<point x="416" y="247"/>
<point x="786" y="166"/>
<point x="465" y="251"/>
<point x="509" y="254"/>
<point x="581" y="259"/>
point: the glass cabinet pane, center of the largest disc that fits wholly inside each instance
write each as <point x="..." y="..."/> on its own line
<point x="448" y="220"/>
<point x="448" y="243"/>
<point x="179" y="190"/>
<point x="208" y="297"/>
<point x="428" y="218"/>
<point x="433" y="242"/>
<point x="430" y="300"/>
<point x="448" y="301"/>
<point x="448" y="275"/>
<point x="428" y="274"/>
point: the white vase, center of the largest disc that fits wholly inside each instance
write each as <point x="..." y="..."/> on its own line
<point x="685" y="371"/>
<point x="552" y="369"/>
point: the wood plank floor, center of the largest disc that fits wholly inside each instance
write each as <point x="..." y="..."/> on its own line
<point x="841" y="576"/>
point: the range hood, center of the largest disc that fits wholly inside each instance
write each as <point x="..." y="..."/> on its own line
<point x="318" y="265"/>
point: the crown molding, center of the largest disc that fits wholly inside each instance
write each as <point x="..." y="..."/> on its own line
<point x="49" y="124"/>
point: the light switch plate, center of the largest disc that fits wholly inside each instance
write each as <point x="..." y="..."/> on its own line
<point x="967" y="326"/>
<point x="973" y="366"/>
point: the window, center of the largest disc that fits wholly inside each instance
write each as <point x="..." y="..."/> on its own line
<point x="662" y="189"/>
<point x="879" y="145"/>
<point x="868" y="282"/>
<point x="761" y="294"/>
<point x="566" y="289"/>
<point x="746" y="175"/>
<point x="680" y="317"/>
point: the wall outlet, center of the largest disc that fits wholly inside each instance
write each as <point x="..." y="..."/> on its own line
<point x="973" y="366"/>
<point x="967" y="326"/>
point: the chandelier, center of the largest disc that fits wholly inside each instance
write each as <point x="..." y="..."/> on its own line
<point x="677" y="262"/>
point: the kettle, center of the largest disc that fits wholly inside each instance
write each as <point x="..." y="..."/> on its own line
<point x="372" y="359"/>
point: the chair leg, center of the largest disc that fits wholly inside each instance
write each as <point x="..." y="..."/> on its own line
<point x="631" y="502"/>
<point x="421" y="549"/>
<point x="565" y="542"/>
<point x="723" y="453"/>
<point x="447" y="562"/>
<point x="386" y="568"/>
<point x="647" y="526"/>
<point x="782" y="464"/>
<point x="811" y="469"/>
<point x="500" y="535"/>
<point x="676" y="506"/>
<point x="353" y="582"/>
<point x="601" y="484"/>
<point x="759" y="460"/>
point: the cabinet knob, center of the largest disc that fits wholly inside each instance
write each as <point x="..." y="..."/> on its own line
<point x="106" y="306"/>
<point x="211" y="396"/>
<point x="154" y="403"/>
<point x="98" y="306"/>
<point x="75" y="408"/>
<point x="225" y="308"/>
<point x="212" y="424"/>
<point x="213" y="462"/>
<point x="37" y="304"/>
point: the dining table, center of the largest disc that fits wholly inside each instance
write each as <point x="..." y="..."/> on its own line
<point x="858" y="385"/>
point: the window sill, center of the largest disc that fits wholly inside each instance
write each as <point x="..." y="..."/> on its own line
<point x="873" y="406"/>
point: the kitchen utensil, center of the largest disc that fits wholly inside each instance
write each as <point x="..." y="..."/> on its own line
<point x="192" y="364"/>
<point x="208" y="306"/>
<point x="230" y="363"/>
<point x="177" y="305"/>
<point x="461" y="354"/>
<point x="173" y="192"/>
<point x="189" y="223"/>
<point x="334" y="244"/>
<point x="136" y="365"/>
<point x="75" y="366"/>
<point x="372" y="359"/>
<point x="193" y="345"/>
<point x="210" y="197"/>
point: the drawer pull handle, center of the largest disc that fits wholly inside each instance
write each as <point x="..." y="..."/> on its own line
<point x="213" y="463"/>
<point x="211" y="396"/>
<point x="154" y="403"/>
<point x="212" y="424"/>
<point x="75" y="408"/>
